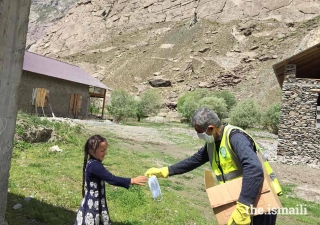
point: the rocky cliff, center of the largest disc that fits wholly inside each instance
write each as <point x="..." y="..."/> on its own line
<point x="43" y="15"/>
<point x="91" y="20"/>
<point x="180" y="45"/>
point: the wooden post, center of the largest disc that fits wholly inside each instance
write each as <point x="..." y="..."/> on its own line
<point x="104" y="102"/>
<point x="14" y="17"/>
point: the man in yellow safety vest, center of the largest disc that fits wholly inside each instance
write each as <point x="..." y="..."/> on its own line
<point x="232" y="153"/>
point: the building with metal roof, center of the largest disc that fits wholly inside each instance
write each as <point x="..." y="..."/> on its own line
<point x="50" y="87"/>
<point x="299" y="128"/>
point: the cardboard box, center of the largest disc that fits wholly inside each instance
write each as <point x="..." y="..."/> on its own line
<point x="223" y="197"/>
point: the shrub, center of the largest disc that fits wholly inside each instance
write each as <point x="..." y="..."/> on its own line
<point x="245" y="114"/>
<point x="189" y="102"/>
<point x="149" y="103"/>
<point x="218" y="105"/>
<point x="270" y="119"/>
<point x="189" y="107"/>
<point x="196" y="94"/>
<point x="122" y="105"/>
<point x="93" y="109"/>
<point x="229" y="98"/>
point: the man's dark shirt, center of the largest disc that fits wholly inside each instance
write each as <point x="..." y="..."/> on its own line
<point x="244" y="148"/>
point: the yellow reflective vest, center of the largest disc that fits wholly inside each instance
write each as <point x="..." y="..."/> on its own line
<point x="226" y="164"/>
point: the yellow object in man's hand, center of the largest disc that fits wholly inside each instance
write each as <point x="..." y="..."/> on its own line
<point x="158" y="172"/>
<point x="240" y="215"/>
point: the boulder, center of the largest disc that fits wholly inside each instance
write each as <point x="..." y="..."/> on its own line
<point x="35" y="135"/>
<point x="159" y="82"/>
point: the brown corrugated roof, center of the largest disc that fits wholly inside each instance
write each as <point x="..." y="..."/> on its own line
<point x="57" y="69"/>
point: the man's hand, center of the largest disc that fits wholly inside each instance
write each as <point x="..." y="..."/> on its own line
<point x="158" y="172"/>
<point x="240" y="215"/>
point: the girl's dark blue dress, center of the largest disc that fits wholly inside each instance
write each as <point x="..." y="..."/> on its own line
<point x="94" y="208"/>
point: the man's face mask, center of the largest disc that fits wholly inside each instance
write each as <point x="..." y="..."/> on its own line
<point x="207" y="138"/>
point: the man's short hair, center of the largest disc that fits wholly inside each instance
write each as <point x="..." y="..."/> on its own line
<point x="204" y="117"/>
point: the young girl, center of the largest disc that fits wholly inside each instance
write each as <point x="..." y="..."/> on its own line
<point x="94" y="209"/>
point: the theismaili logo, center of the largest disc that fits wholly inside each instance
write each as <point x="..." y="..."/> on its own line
<point x="298" y="210"/>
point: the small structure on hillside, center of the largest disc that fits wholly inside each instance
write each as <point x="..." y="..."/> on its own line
<point x="299" y="128"/>
<point x="50" y="87"/>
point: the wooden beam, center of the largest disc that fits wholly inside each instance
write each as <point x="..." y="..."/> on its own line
<point x="96" y="95"/>
<point x="104" y="101"/>
<point x="315" y="90"/>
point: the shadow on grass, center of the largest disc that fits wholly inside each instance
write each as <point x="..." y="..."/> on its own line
<point x="35" y="212"/>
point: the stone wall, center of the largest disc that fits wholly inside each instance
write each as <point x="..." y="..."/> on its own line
<point x="299" y="138"/>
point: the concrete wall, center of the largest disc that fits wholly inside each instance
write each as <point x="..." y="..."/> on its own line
<point x="299" y="137"/>
<point x="14" y="15"/>
<point x="59" y="95"/>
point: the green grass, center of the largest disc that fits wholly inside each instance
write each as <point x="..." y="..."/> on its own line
<point x="54" y="180"/>
<point x="312" y="209"/>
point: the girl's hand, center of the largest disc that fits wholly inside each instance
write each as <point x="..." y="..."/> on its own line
<point x="140" y="180"/>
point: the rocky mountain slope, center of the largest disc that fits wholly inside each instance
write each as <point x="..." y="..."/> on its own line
<point x="178" y="45"/>
<point x="43" y="15"/>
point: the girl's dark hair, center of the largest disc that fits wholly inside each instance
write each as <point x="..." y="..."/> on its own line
<point x="92" y="144"/>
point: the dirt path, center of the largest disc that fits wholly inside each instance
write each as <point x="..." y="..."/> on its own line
<point x="306" y="178"/>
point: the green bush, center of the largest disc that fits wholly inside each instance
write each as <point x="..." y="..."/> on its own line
<point x="221" y="102"/>
<point x="149" y="103"/>
<point x="196" y="94"/>
<point x="189" y="107"/>
<point x="245" y="114"/>
<point x="189" y="102"/>
<point x="122" y="105"/>
<point x="218" y="105"/>
<point x="93" y="109"/>
<point x="270" y="119"/>
<point x="229" y="98"/>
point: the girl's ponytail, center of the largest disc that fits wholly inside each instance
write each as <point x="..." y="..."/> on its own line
<point x="84" y="171"/>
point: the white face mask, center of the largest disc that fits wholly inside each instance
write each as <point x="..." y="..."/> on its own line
<point x="207" y="138"/>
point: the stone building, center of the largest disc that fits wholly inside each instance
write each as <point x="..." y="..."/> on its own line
<point x="299" y="128"/>
<point x="50" y="87"/>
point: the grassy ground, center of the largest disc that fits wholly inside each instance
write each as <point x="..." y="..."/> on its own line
<point x="54" y="181"/>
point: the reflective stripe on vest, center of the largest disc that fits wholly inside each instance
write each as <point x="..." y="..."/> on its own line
<point x="274" y="180"/>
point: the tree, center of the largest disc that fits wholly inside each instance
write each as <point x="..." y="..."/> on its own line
<point x="196" y="94"/>
<point x="149" y="103"/>
<point x="222" y="102"/>
<point x="228" y="97"/>
<point x="271" y="118"/>
<point x="218" y="105"/>
<point x="122" y="105"/>
<point x="189" y="102"/>
<point x="245" y="114"/>
<point x="189" y="107"/>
